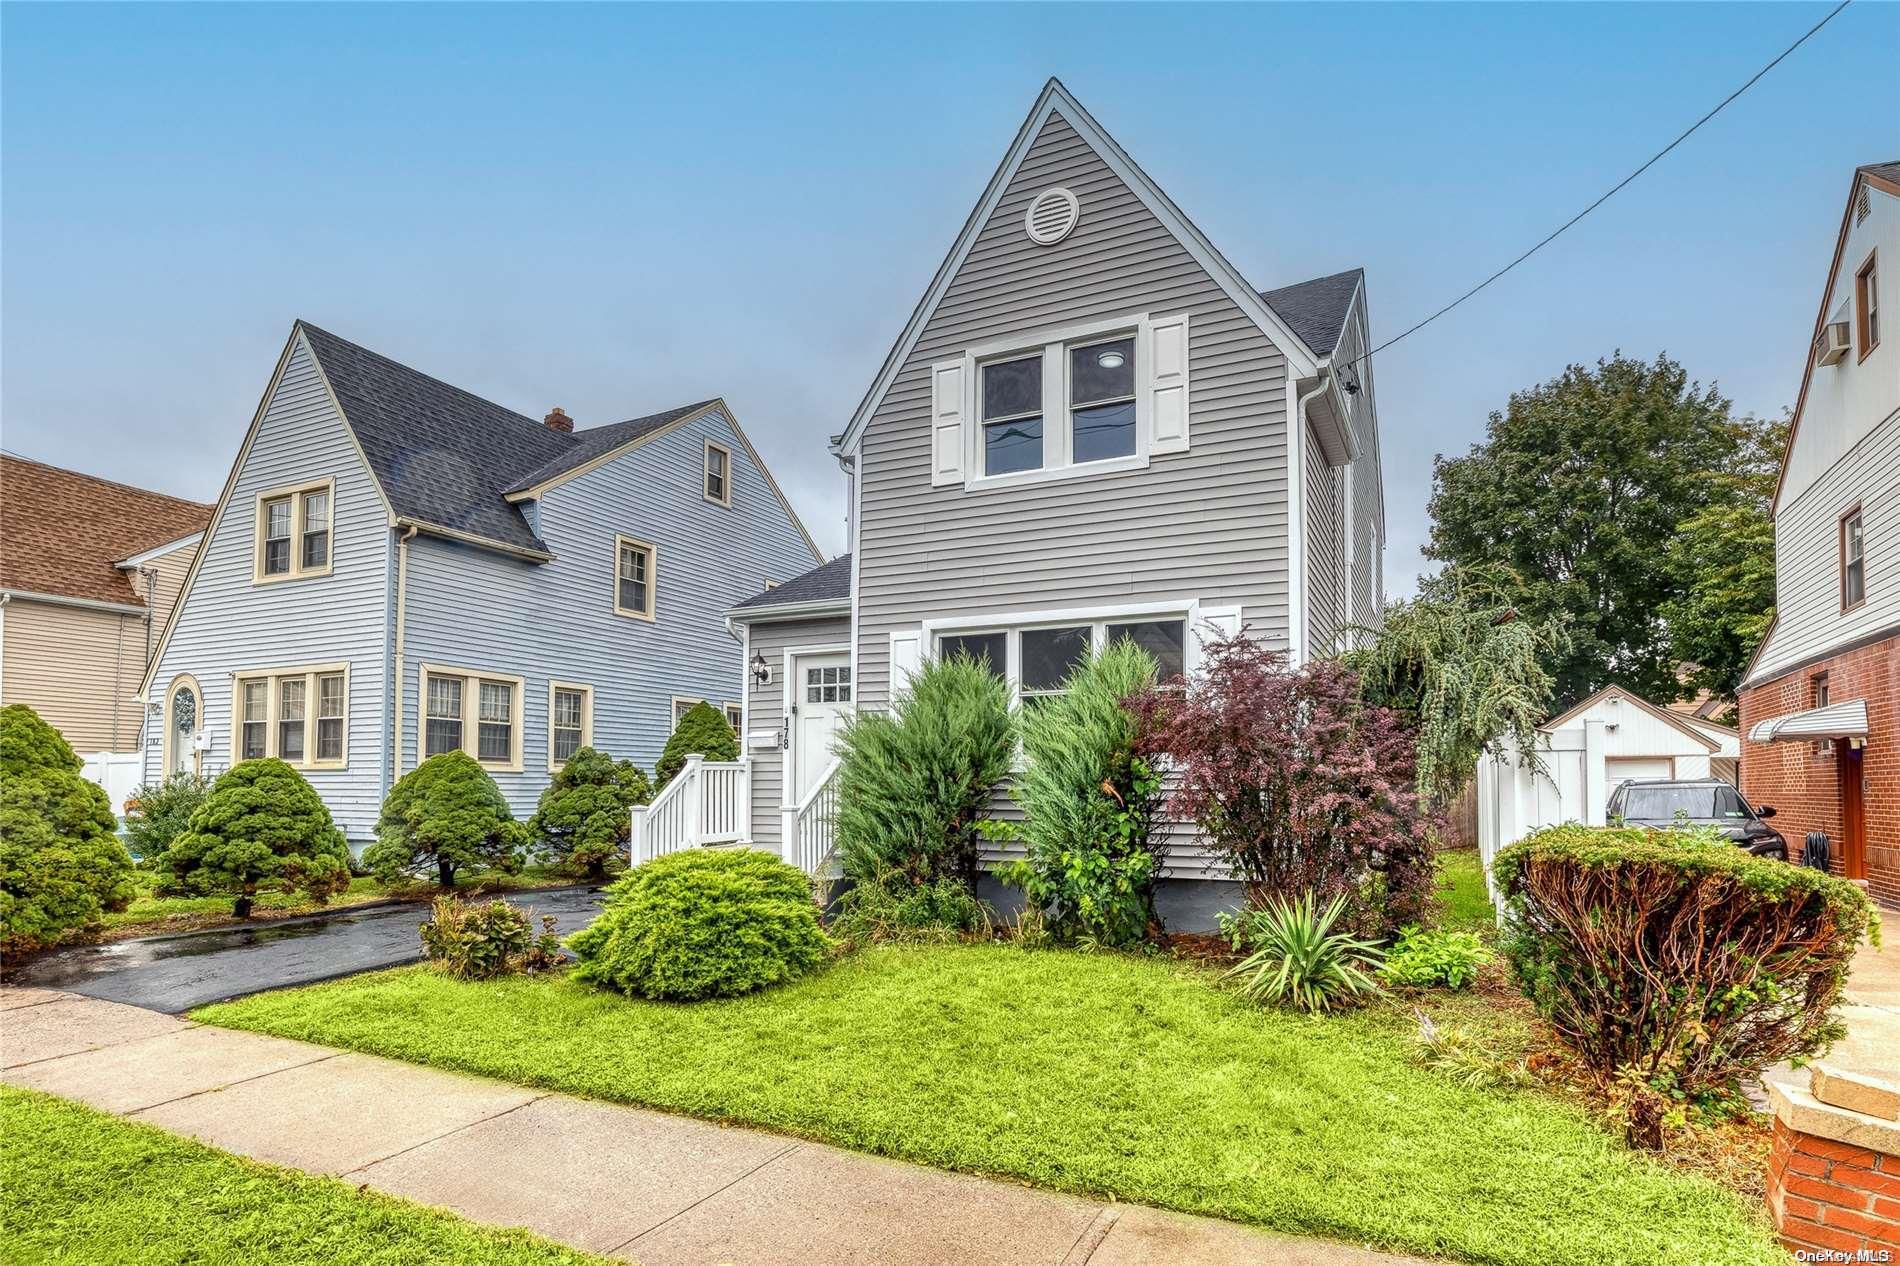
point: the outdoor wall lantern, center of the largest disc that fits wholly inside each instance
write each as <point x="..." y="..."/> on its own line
<point x="761" y="671"/>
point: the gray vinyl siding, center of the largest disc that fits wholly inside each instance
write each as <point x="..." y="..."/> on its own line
<point x="555" y="621"/>
<point x="1326" y="581"/>
<point x="1207" y="524"/>
<point x="1366" y="600"/>
<point x="766" y="712"/>
<point x="227" y="624"/>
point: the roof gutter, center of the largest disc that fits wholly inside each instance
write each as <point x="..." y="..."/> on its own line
<point x="64" y="600"/>
<point x="470" y="538"/>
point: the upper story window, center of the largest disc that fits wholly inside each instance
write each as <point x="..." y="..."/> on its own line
<point x="570" y="721"/>
<point x="1867" y="305"/>
<point x="1075" y="401"/>
<point x="718" y="473"/>
<point x="634" y="578"/>
<point x="298" y="715"/>
<point x="293" y="532"/>
<point x="1853" y="561"/>
<point x="474" y="712"/>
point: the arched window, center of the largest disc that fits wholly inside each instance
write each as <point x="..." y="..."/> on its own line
<point x="184" y="710"/>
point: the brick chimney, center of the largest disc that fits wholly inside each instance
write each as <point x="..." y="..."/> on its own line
<point x="559" y="421"/>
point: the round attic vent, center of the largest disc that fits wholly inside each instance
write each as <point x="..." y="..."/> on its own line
<point x="1051" y="216"/>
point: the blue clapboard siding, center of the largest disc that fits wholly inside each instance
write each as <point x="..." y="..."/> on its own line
<point x="228" y="625"/>
<point x="470" y="608"/>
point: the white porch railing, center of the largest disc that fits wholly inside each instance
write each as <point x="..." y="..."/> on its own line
<point x="704" y="804"/>
<point x="808" y="825"/>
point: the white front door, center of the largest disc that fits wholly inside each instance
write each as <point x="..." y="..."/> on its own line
<point x="821" y="700"/>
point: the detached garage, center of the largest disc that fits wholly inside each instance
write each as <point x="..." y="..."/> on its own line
<point x="1608" y="739"/>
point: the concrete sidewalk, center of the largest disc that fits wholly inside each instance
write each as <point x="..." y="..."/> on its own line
<point x="645" y="1186"/>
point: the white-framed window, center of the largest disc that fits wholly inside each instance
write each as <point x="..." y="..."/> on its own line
<point x="1064" y="402"/>
<point x="718" y="473"/>
<point x="1853" y="561"/>
<point x="570" y="721"/>
<point x="293" y="532"/>
<point x="469" y="710"/>
<point x="298" y="715"/>
<point x="683" y="704"/>
<point x="1867" y="304"/>
<point x="1037" y="658"/>
<point x="635" y="568"/>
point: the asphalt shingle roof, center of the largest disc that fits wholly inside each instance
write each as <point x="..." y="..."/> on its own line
<point x="63" y="533"/>
<point x="828" y="583"/>
<point x="1316" y="309"/>
<point x="448" y="457"/>
<point x="1886" y="171"/>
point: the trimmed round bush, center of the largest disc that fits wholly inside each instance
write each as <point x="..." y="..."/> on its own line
<point x="446" y="815"/>
<point x="61" y="863"/>
<point x="1677" y="959"/>
<point x="262" y="827"/>
<point x="705" y="923"/>
<point x="583" y="820"/>
<point x="703" y="730"/>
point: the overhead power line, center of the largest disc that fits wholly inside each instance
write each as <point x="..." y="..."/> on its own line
<point x="1615" y="189"/>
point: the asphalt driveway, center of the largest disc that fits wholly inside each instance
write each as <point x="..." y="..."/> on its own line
<point x="176" y="973"/>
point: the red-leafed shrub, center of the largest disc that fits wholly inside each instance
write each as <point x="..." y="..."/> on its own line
<point x="1296" y="782"/>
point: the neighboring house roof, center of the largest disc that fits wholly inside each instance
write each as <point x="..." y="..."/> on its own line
<point x="65" y="533"/>
<point x="600" y="440"/>
<point x="830" y="583"/>
<point x="1700" y="731"/>
<point x="1317" y="309"/>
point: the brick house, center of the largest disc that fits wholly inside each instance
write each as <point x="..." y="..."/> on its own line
<point x="1820" y="703"/>
<point x="89" y="569"/>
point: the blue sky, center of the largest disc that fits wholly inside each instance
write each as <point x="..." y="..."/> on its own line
<point x="620" y="208"/>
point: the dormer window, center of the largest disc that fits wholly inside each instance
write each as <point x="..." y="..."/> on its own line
<point x="718" y="474"/>
<point x="293" y="532"/>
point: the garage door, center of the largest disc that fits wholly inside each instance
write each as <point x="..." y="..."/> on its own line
<point x="1620" y="769"/>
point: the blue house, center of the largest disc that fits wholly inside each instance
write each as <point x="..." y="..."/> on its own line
<point x="397" y="567"/>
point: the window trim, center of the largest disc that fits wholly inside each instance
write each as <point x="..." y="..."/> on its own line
<point x="587" y="717"/>
<point x="1852" y="512"/>
<point x="273" y="705"/>
<point x="621" y="542"/>
<point x="295" y="493"/>
<point x="471" y="679"/>
<point x="165" y="720"/>
<point x="705" y="474"/>
<point x="1866" y="303"/>
<point x="1097" y="618"/>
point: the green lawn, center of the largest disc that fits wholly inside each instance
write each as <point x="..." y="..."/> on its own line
<point x="1104" y="1074"/>
<point x="150" y="913"/>
<point x="82" y="1186"/>
<point x="1462" y="902"/>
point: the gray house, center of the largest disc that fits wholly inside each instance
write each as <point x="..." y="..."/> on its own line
<point x="1091" y="427"/>
<point x="397" y="567"/>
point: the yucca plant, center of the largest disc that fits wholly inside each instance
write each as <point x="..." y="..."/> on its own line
<point x="1300" y="960"/>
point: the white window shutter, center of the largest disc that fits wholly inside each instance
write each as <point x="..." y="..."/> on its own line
<point x="906" y="657"/>
<point x="1168" y="384"/>
<point x="947" y="390"/>
<point x="1211" y="625"/>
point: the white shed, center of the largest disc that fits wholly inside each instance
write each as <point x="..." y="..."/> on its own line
<point x="1609" y="738"/>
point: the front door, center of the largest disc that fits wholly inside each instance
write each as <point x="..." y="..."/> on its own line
<point x="1853" y="811"/>
<point x="821" y="701"/>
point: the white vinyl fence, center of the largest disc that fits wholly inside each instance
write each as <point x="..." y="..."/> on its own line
<point x="119" y="773"/>
<point x="1515" y="799"/>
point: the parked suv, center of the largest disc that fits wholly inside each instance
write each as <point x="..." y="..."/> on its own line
<point x="1667" y="802"/>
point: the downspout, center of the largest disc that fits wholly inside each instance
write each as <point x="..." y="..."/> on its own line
<point x="1297" y="511"/>
<point x="395" y="692"/>
<point x="150" y="575"/>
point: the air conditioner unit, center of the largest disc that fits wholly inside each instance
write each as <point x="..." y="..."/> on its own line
<point x="1832" y="343"/>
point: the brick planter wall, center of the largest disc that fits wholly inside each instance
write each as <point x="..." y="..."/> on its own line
<point x="1828" y="1195"/>
<point x="1802" y="782"/>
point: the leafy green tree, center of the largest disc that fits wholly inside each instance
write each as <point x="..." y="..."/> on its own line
<point x="1723" y="564"/>
<point x="1089" y="803"/>
<point x="445" y="815"/>
<point x="914" y="782"/>
<point x="703" y="730"/>
<point x="160" y="812"/>
<point x="261" y="828"/>
<point x="1577" y="489"/>
<point x="1462" y="669"/>
<point x="61" y="863"/>
<point x="584" y="818"/>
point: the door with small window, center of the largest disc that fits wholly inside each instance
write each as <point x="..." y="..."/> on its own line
<point x="823" y="699"/>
